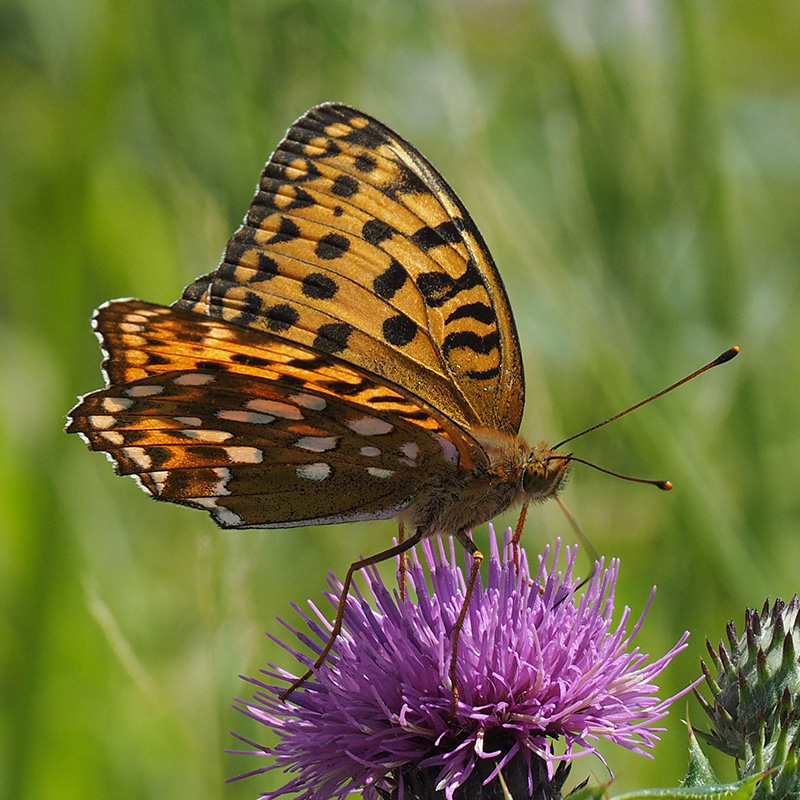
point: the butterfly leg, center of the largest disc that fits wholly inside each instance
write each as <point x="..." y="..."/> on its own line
<point x="477" y="558"/>
<point x="518" y="535"/>
<point x="384" y="555"/>
<point x="403" y="567"/>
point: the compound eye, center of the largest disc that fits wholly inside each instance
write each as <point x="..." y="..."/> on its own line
<point x="533" y="478"/>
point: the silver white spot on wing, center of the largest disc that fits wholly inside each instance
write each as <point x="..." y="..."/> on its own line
<point x="101" y="422"/>
<point x="244" y="455"/>
<point x="130" y="327"/>
<point x="377" y="472"/>
<point x="205" y="502"/>
<point x="192" y="422"/>
<point x="159" y="478"/>
<point x="370" y="452"/>
<point x="206" y="435"/>
<point x="275" y="407"/>
<point x="221" y="487"/>
<point x="143" y="391"/>
<point x="317" y="444"/>
<point x="132" y="340"/>
<point x="448" y="448"/>
<point x="222" y="514"/>
<point x="410" y="451"/>
<point x="309" y="401"/>
<point x="194" y="379"/>
<point x="116" y="404"/>
<point x="369" y="426"/>
<point x="113" y="437"/>
<point x="314" y="472"/>
<point x="139" y="456"/>
<point x="227" y="517"/>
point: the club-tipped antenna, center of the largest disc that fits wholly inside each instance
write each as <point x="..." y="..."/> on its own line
<point x="726" y="356"/>
<point x="664" y="485"/>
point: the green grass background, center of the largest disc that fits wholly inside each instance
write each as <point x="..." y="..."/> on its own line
<point x="634" y="167"/>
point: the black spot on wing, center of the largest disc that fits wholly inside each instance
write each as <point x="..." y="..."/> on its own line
<point x="243" y="240"/>
<point x="210" y="366"/>
<point x="445" y="233"/>
<point x="281" y="317"/>
<point x="407" y="183"/>
<point x="299" y="139"/>
<point x="347" y="389"/>
<point x="388" y="283"/>
<point x="376" y="231"/>
<point x="480" y="312"/>
<point x="333" y="337"/>
<point x="470" y="340"/>
<point x="319" y="287"/>
<point x="194" y="292"/>
<point x="331" y="149"/>
<point x="369" y="136"/>
<point x="365" y="163"/>
<point x="250" y="361"/>
<point x="308" y="364"/>
<point x="250" y="308"/>
<point x="292" y="380"/>
<point x="332" y="246"/>
<point x="345" y="186"/>
<point x="438" y="287"/>
<point x="271" y="199"/>
<point x="419" y="414"/>
<point x="286" y="167"/>
<point x="399" y="330"/>
<point x="267" y="268"/>
<point x="207" y="452"/>
<point x="375" y="399"/>
<point x="158" y="456"/>
<point x="287" y="232"/>
<point x="153" y="358"/>
<point x="484" y="374"/>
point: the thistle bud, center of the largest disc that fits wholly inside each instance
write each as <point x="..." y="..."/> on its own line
<point x="755" y="698"/>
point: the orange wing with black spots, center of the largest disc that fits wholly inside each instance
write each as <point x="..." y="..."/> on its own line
<point x="355" y="246"/>
<point x="258" y="431"/>
<point x="354" y="355"/>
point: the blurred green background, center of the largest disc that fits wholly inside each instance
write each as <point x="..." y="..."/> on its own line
<point x="635" y="169"/>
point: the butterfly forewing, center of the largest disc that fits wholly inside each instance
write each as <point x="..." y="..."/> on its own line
<point x="258" y="431"/>
<point x="355" y="246"/>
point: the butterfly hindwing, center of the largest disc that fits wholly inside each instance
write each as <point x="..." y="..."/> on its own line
<point x="259" y="432"/>
<point x="355" y="246"/>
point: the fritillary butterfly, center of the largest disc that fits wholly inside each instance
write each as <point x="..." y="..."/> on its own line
<point x="353" y="357"/>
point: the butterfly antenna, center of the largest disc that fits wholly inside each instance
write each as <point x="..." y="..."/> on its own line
<point x="726" y="356"/>
<point x="665" y="485"/>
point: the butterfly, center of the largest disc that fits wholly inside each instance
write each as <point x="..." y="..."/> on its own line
<point x="353" y="357"/>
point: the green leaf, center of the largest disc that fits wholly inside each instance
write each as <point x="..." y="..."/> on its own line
<point x="739" y="790"/>
<point x="589" y="792"/>
<point x="700" y="771"/>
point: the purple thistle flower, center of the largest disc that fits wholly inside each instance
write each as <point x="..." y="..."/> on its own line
<point x="537" y="662"/>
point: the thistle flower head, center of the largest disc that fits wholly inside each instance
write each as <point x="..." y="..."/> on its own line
<point x="755" y="705"/>
<point x="537" y="662"/>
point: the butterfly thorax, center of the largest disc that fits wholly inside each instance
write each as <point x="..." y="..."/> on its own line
<point x="514" y="473"/>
